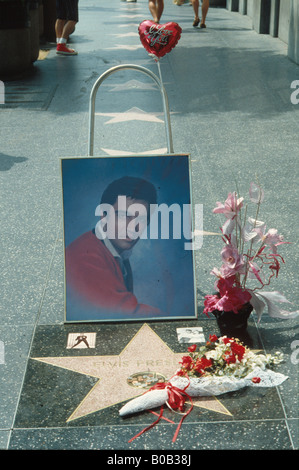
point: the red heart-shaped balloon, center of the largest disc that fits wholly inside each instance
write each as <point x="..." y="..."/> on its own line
<point x="159" y="39"/>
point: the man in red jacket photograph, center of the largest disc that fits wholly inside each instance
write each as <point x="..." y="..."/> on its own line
<point x="98" y="270"/>
<point x="124" y="238"/>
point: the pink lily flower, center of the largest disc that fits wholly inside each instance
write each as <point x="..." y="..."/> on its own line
<point x="233" y="261"/>
<point x="230" y="209"/>
<point x="270" y="238"/>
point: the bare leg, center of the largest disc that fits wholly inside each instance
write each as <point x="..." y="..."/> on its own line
<point x="59" y="25"/>
<point x="156" y="8"/>
<point x="160" y="9"/>
<point x="195" y="4"/>
<point x="64" y="28"/>
<point x="204" y="10"/>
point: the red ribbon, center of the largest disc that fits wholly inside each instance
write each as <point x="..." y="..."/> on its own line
<point x="176" y="401"/>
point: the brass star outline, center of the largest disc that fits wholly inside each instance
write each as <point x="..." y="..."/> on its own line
<point x="146" y="351"/>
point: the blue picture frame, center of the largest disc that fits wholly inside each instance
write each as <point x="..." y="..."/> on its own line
<point x="162" y="267"/>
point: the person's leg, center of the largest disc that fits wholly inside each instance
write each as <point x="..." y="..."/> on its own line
<point x="59" y="25"/>
<point x="204" y="10"/>
<point x="156" y="8"/>
<point x="66" y="27"/>
<point x="160" y="8"/>
<point x="195" y="4"/>
<point x="152" y="8"/>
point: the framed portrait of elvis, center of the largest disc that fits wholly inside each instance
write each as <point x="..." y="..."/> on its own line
<point x="128" y="238"/>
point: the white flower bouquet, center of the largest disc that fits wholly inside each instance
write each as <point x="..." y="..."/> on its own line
<point x="223" y="365"/>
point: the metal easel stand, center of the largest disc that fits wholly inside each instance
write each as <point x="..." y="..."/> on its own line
<point x="105" y="75"/>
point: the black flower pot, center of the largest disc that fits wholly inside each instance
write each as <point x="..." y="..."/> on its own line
<point x="233" y="322"/>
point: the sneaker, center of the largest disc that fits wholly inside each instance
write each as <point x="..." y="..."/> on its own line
<point x="64" y="50"/>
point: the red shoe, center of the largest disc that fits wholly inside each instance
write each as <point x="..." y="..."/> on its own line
<point x="64" y="50"/>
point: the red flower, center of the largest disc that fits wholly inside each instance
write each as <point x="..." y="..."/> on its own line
<point x="210" y="303"/>
<point x="256" y="380"/>
<point x="187" y="362"/>
<point x="192" y="348"/>
<point x="238" y="350"/>
<point x="225" y="284"/>
<point x="230" y="358"/>
<point x="213" y="338"/>
<point x="202" y="364"/>
<point x="231" y="297"/>
<point x="226" y="340"/>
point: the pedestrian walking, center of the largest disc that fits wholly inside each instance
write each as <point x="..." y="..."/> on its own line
<point x="67" y="17"/>
<point x="204" y="11"/>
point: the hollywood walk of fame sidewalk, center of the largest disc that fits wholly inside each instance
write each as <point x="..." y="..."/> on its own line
<point x="229" y="94"/>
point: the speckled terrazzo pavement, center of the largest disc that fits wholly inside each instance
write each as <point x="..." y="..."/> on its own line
<point x="229" y="95"/>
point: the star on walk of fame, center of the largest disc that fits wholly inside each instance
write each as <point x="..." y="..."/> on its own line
<point x="145" y="352"/>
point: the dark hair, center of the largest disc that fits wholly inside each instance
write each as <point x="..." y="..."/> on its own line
<point x="130" y="186"/>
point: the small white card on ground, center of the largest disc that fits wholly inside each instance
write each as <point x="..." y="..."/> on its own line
<point x="191" y="335"/>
